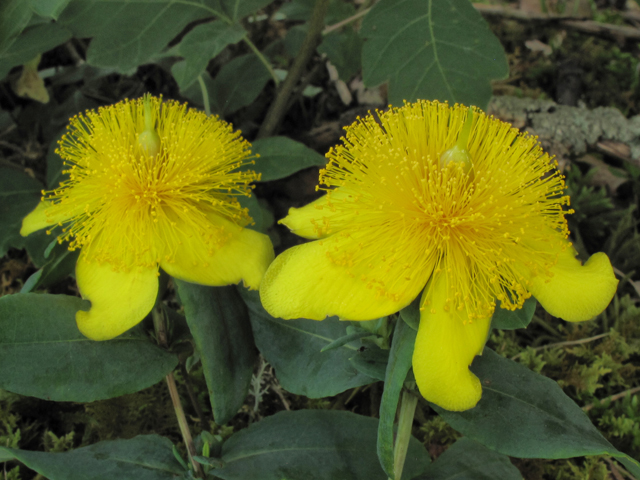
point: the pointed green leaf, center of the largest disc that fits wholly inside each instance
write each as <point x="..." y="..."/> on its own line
<point x="524" y="414"/>
<point x="293" y="347"/>
<point x="259" y="211"/>
<point x="19" y="195"/>
<point x="311" y="445"/>
<point x="350" y="337"/>
<point x="404" y="337"/>
<point x="238" y="9"/>
<point x="61" y="262"/>
<point x="344" y="51"/>
<point x="44" y="355"/>
<point x="128" y="33"/>
<point x="14" y="17"/>
<point x="31" y="42"/>
<point x="469" y="459"/>
<point x="145" y="457"/>
<point x="281" y="157"/>
<point x="428" y="49"/>
<point x="49" y="8"/>
<point x="513" y="319"/>
<point x="238" y="83"/>
<point x="371" y="361"/>
<point x="202" y="44"/>
<point x="411" y="313"/>
<point x="219" y="323"/>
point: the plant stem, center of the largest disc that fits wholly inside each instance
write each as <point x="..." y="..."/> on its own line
<point x="161" y="336"/>
<point x="263" y="59"/>
<point x="346" y="21"/>
<point x="182" y="422"/>
<point x="405" y="422"/>
<point x="279" y="106"/>
<point x="205" y="96"/>
<point x="192" y="396"/>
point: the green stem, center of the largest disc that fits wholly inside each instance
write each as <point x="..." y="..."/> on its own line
<point x="279" y="106"/>
<point x="263" y="59"/>
<point x="405" y="423"/>
<point x="161" y="336"/>
<point x="205" y="96"/>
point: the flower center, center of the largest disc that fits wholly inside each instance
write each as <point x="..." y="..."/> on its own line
<point x="475" y="202"/>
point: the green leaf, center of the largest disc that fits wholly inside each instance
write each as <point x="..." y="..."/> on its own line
<point x="411" y="313"/>
<point x="524" y="414"/>
<point x="14" y="17"/>
<point x="42" y="353"/>
<point x="31" y="42"/>
<point x="200" y="45"/>
<point x="302" y="9"/>
<point x="238" y="83"/>
<point x="311" y="445"/>
<point x="502" y="319"/>
<point x="145" y="457"/>
<point x="428" y="49"/>
<point x="469" y="459"/>
<point x="49" y="8"/>
<point x="61" y="264"/>
<point x="259" y="212"/>
<point x="238" y="9"/>
<point x="128" y="33"/>
<point x="404" y="337"/>
<point x="513" y="319"/>
<point x="219" y="323"/>
<point x="281" y="157"/>
<point x="350" y="337"/>
<point x="344" y="51"/>
<point x="293" y="347"/>
<point x="371" y="361"/>
<point x="19" y="195"/>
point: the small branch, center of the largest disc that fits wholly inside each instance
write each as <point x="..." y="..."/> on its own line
<point x="565" y="344"/>
<point x="263" y="59"/>
<point x="581" y="24"/>
<point x="346" y="21"/>
<point x="161" y="337"/>
<point x="617" y="471"/>
<point x="613" y="398"/>
<point x="279" y="105"/>
<point x="505" y="12"/>
<point x="184" y="426"/>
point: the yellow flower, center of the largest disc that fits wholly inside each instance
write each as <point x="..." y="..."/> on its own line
<point x="151" y="184"/>
<point x="413" y="201"/>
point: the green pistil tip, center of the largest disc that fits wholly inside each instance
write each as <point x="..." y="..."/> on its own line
<point x="459" y="152"/>
<point x="149" y="140"/>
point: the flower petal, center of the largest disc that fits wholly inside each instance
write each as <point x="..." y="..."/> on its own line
<point x="576" y="292"/>
<point x="119" y="300"/>
<point x="444" y="349"/>
<point x="38" y="219"/>
<point x="313" y="220"/>
<point x="307" y="282"/>
<point x="245" y="256"/>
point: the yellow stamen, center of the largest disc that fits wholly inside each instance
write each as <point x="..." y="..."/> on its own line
<point x="138" y="167"/>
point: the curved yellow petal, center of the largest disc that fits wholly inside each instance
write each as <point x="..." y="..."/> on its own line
<point x="314" y="219"/>
<point x="244" y="256"/>
<point x="576" y="292"/>
<point x="445" y="347"/>
<point x="314" y="281"/>
<point x="38" y="219"/>
<point x="119" y="300"/>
